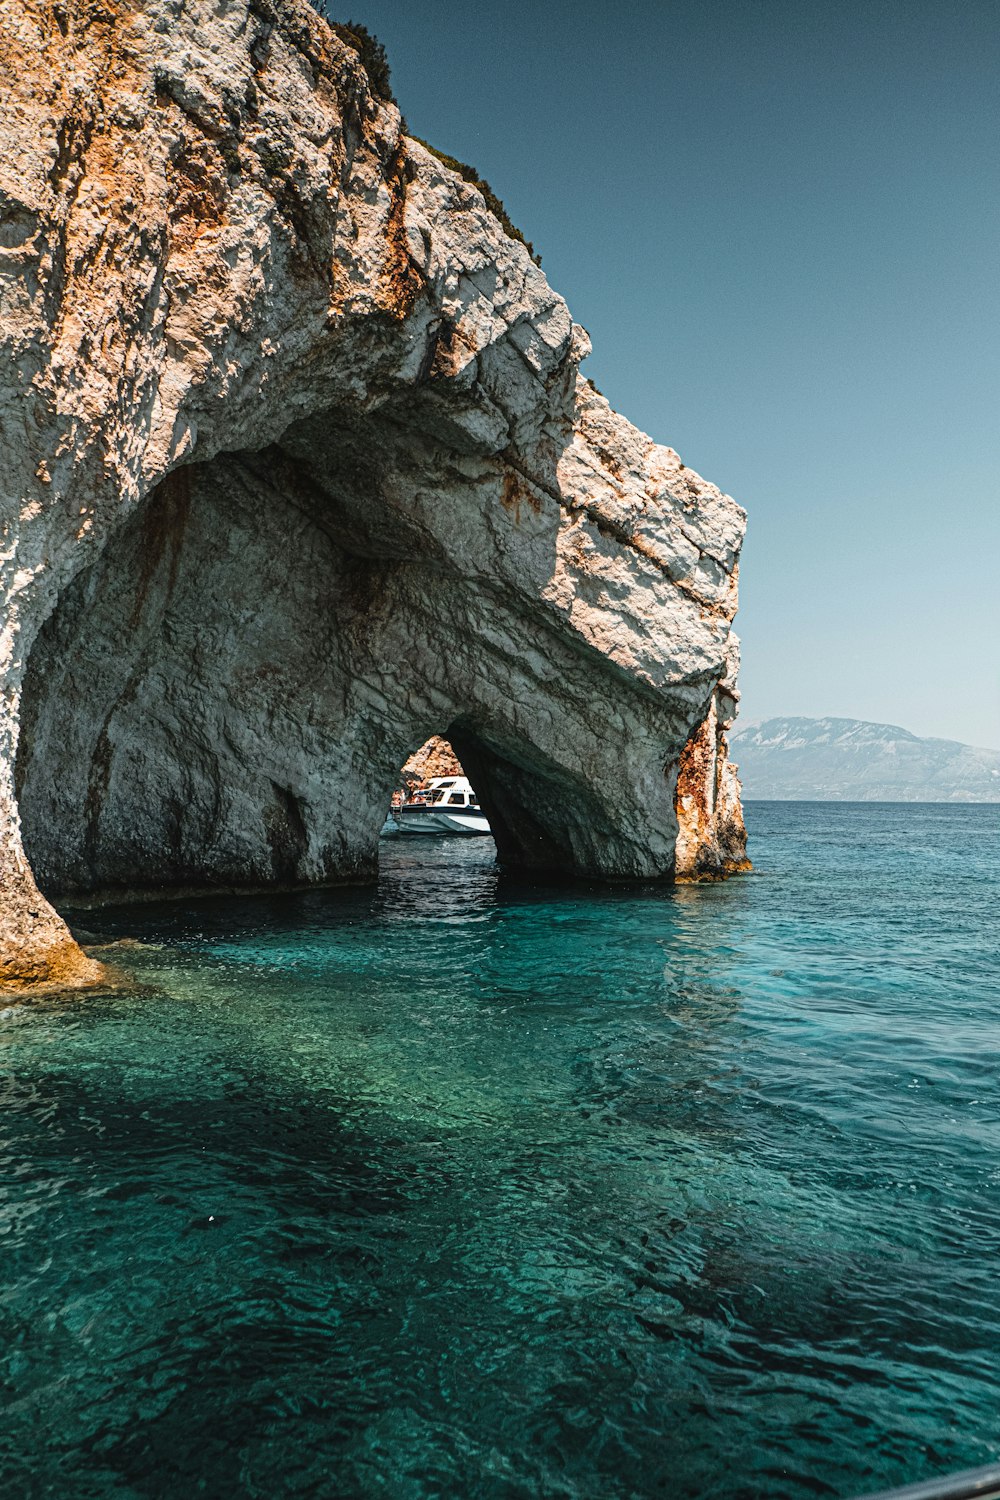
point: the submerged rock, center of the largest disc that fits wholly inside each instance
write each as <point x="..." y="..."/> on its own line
<point x="299" y="470"/>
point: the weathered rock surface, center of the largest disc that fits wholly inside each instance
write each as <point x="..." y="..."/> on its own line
<point x="298" y="470"/>
<point x="435" y="758"/>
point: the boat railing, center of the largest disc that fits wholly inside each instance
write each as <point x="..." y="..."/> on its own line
<point x="970" y="1484"/>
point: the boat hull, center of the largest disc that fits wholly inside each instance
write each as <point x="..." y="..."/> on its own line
<point x="435" y="822"/>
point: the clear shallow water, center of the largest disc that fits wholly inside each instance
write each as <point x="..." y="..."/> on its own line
<point x="457" y="1189"/>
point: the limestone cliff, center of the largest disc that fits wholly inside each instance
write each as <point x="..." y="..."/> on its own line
<point x="298" y="470"/>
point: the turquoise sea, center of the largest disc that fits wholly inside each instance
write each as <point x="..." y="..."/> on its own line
<point x="463" y="1188"/>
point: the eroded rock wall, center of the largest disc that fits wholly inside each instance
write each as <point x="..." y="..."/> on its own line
<point x="299" y="470"/>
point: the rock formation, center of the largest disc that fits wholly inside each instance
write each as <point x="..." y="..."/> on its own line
<point x="436" y="758"/>
<point x="299" y="469"/>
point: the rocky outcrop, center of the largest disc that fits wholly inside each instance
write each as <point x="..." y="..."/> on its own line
<point x="299" y="470"/>
<point x="436" y="758"/>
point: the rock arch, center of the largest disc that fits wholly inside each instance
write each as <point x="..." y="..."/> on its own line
<point x="308" y="472"/>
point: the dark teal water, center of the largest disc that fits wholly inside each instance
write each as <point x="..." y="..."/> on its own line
<point x="458" y="1189"/>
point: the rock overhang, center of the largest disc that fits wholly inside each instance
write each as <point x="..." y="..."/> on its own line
<point x="244" y="307"/>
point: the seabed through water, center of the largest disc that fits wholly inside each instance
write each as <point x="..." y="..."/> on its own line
<point x="461" y="1188"/>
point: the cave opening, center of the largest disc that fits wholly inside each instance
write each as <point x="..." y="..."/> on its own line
<point x="223" y="699"/>
<point x="435" y="799"/>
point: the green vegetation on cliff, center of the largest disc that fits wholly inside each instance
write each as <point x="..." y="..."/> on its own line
<point x="376" y="64"/>
<point x="372" y="55"/>
<point x="493" y="203"/>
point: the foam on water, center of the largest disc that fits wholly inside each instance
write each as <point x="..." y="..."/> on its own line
<point x="460" y="1188"/>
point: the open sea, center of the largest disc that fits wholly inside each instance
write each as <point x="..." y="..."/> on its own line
<point x="462" y="1188"/>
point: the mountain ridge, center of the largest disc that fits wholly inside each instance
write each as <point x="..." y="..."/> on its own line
<point x="797" y="758"/>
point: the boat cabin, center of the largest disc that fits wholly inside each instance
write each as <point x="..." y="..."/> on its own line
<point x="450" y="791"/>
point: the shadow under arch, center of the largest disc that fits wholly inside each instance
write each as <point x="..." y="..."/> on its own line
<point x="544" y="818"/>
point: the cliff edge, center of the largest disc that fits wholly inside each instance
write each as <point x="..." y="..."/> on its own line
<point x="299" y="469"/>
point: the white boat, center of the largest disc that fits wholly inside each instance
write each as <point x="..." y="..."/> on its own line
<point x="447" y="805"/>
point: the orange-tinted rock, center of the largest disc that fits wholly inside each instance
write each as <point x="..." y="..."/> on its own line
<point x="435" y="758"/>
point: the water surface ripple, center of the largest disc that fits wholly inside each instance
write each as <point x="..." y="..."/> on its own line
<point x="455" y="1188"/>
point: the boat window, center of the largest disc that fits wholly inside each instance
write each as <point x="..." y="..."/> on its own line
<point x="457" y="799"/>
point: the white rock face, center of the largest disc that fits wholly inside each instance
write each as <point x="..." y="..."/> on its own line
<point x="299" y="470"/>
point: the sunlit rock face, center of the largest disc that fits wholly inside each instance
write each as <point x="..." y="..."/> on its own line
<point x="299" y="470"/>
<point x="434" y="758"/>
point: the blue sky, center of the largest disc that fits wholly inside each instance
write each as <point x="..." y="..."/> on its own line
<point x="779" y="223"/>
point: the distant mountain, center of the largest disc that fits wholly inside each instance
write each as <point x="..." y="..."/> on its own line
<point x="851" y="760"/>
